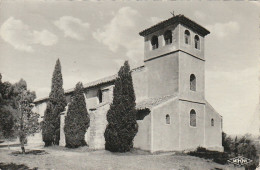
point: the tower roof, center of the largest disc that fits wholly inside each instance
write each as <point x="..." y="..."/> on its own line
<point x="176" y="19"/>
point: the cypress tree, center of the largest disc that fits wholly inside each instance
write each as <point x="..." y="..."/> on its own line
<point x="122" y="126"/>
<point x="77" y="119"/>
<point x="56" y="105"/>
<point x="47" y="125"/>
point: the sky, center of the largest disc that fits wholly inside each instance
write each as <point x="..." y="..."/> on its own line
<point x="92" y="39"/>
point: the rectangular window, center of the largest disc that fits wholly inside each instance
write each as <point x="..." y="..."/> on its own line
<point x="193" y="118"/>
<point x="105" y="93"/>
<point x="168" y="41"/>
<point x="186" y="40"/>
<point x="155" y="46"/>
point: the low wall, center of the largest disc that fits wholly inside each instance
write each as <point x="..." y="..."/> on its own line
<point x="62" y="124"/>
<point x="98" y="122"/>
<point x="142" y="139"/>
<point x="95" y="133"/>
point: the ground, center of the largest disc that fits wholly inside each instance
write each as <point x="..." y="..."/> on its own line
<point x="83" y="158"/>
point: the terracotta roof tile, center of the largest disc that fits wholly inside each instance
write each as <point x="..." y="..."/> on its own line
<point x="98" y="82"/>
<point x="95" y="83"/>
<point x="150" y="103"/>
<point x="176" y="19"/>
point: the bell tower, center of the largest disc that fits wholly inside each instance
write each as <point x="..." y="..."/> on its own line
<point x="174" y="58"/>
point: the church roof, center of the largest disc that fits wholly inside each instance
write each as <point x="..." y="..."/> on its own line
<point x="98" y="82"/>
<point x="95" y="83"/>
<point x="152" y="102"/>
<point x="87" y="85"/>
<point x="145" y="104"/>
<point x="176" y="19"/>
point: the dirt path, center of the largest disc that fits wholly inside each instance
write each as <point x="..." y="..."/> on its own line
<point x="60" y="158"/>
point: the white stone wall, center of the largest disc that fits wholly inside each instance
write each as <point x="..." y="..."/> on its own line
<point x="95" y="133"/>
<point x="62" y="124"/>
<point x="35" y="139"/>
<point x="40" y="109"/>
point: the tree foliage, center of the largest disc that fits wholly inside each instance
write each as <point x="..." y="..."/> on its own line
<point x="226" y="142"/>
<point x="77" y="119"/>
<point x="56" y="105"/>
<point x="48" y="125"/>
<point x="16" y="116"/>
<point x="28" y="120"/>
<point x="6" y="123"/>
<point x="6" y="116"/>
<point x="122" y="126"/>
<point x="239" y="146"/>
<point x="242" y="146"/>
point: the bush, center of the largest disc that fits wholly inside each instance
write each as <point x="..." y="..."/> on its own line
<point x="77" y="119"/>
<point x="218" y="157"/>
<point x="247" y="149"/>
<point x="122" y="126"/>
<point x="226" y="142"/>
<point x="232" y="148"/>
<point x="6" y="123"/>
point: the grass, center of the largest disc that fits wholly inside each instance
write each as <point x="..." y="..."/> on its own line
<point x="84" y="158"/>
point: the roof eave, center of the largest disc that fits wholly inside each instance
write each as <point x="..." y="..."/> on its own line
<point x="179" y="19"/>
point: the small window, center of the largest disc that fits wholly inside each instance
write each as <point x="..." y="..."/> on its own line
<point x="187" y="37"/>
<point x="100" y="96"/>
<point x="154" y="42"/>
<point x="197" y="42"/>
<point x="212" y="122"/>
<point x="168" y="119"/>
<point x="192" y="82"/>
<point x="168" y="37"/>
<point x="193" y="118"/>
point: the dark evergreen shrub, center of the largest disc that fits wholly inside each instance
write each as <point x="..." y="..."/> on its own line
<point x="51" y="131"/>
<point x="218" y="157"/>
<point x="6" y="123"/>
<point x="232" y="148"/>
<point x="47" y="125"/>
<point x="247" y="149"/>
<point x="77" y="119"/>
<point x="226" y="142"/>
<point x="122" y="126"/>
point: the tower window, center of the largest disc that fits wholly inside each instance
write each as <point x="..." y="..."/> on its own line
<point x="100" y="96"/>
<point x="192" y="82"/>
<point x="168" y="119"/>
<point x="168" y="37"/>
<point x="197" y="42"/>
<point x="212" y="122"/>
<point x="154" y="42"/>
<point x="193" y="118"/>
<point x="187" y="37"/>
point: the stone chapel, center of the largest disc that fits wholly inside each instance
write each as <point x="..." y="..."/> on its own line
<point x="173" y="114"/>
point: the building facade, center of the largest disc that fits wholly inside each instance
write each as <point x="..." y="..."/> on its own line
<point x="173" y="114"/>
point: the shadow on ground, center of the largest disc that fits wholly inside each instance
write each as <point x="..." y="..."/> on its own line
<point x="11" y="145"/>
<point x="12" y="166"/>
<point x="30" y="152"/>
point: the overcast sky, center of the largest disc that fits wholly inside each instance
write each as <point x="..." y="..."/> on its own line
<point x="92" y="39"/>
